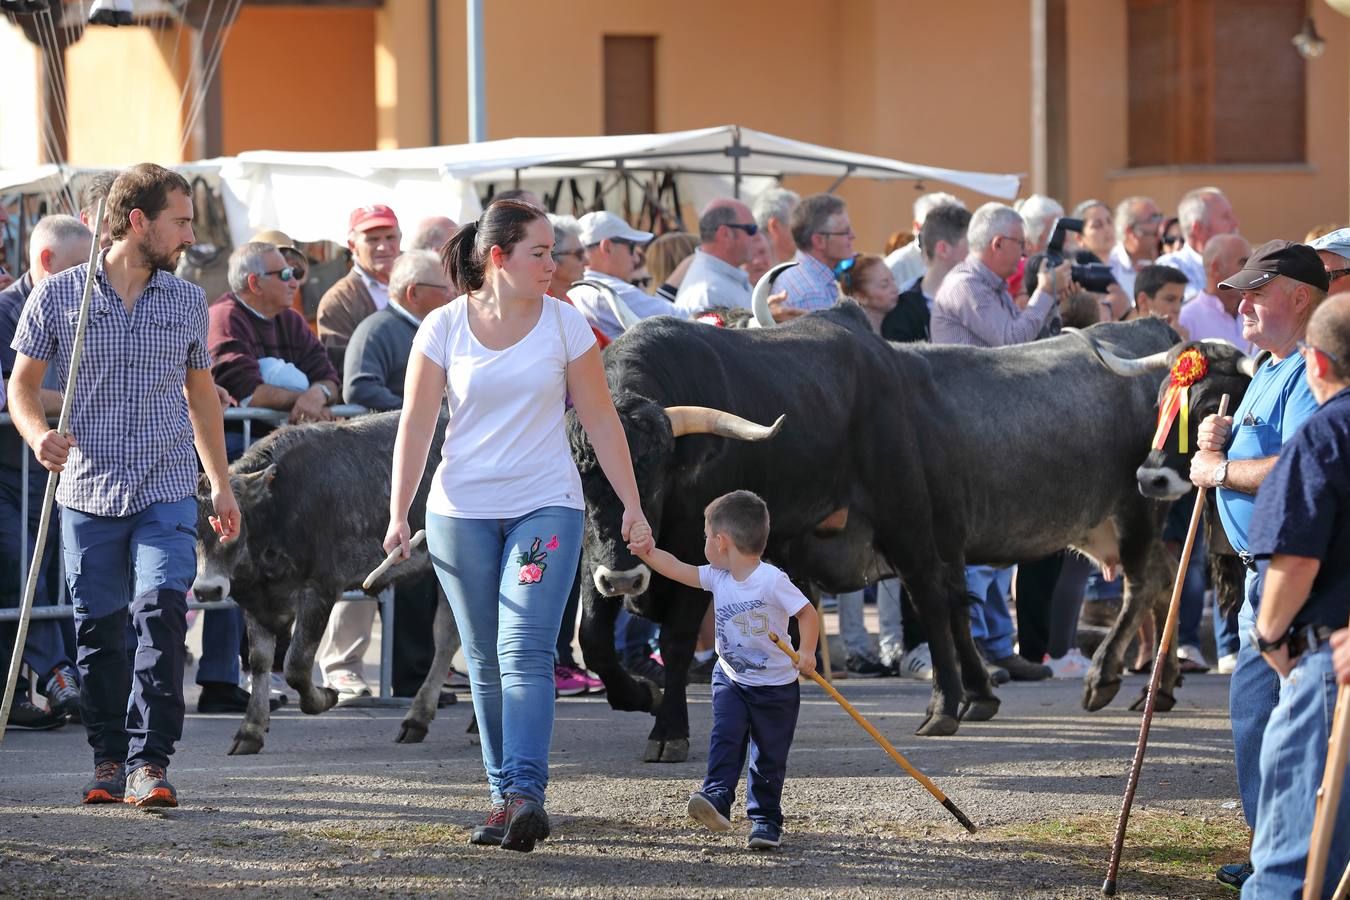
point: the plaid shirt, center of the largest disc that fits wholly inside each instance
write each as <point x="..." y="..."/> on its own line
<point x="130" y="417"/>
<point x="810" y="284"/>
<point x="973" y="306"/>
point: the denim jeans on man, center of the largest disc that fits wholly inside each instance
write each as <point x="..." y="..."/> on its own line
<point x="991" y="622"/>
<point x="762" y="719"/>
<point x="131" y="570"/>
<point x="1293" y="756"/>
<point x="507" y="580"/>
<point x="1252" y="694"/>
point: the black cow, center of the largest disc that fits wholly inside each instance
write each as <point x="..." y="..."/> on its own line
<point x="315" y="505"/>
<point x="913" y="459"/>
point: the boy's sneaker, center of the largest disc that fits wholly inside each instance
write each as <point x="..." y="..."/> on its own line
<point x="703" y="809"/>
<point x="1071" y="665"/>
<point x="1192" y="659"/>
<point x="702" y="672"/>
<point x="108" y="785"/>
<point x="860" y="666"/>
<point x="1234" y="875"/>
<point x="1227" y="663"/>
<point x="648" y="668"/>
<point x="765" y="836"/>
<point x="63" y="693"/>
<point x="348" y="684"/>
<point x="147" y="787"/>
<point x="490" y="832"/>
<point x="568" y="681"/>
<point x="916" y="664"/>
<point x="24" y="715"/>
<point x="526" y="822"/>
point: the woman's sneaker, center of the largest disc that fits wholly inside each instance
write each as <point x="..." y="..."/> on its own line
<point x="593" y="685"/>
<point x="490" y="832"/>
<point x="916" y="664"/>
<point x="568" y="681"/>
<point x="526" y="822"/>
<point x="63" y="693"/>
<point x="109" y="784"/>
<point x="148" y="787"/>
<point x="1071" y="665"/>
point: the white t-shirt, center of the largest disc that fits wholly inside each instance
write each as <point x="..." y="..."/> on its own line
<point x="745" y="612"/>
<point x="505" y="452"/>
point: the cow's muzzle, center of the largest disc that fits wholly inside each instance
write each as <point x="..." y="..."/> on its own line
<point x="629" y="583"/>
<point x="208" y="588"/>
<point x="1161" y="483"/>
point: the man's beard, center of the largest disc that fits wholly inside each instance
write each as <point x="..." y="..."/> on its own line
<point x="164" y="262"/>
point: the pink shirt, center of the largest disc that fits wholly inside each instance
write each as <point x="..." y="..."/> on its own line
<point x="1204" y="317"/>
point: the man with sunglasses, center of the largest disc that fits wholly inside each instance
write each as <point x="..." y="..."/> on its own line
<point x="1281" y="285"/>
<point x="1334" y="251"/>
<point x="613" y="253"/>
<point x="1301" y="524"/>
<point x="714" y="277"/>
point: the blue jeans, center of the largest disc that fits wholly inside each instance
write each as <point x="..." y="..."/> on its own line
<point x="1192" y="608"/>
<point x="1293" y="757"/>
<point x="131" y="570"/>
<point x="507" y="580"/>
<point x="45" y="647"/>
<point x="1227" y="638"/>
<point x="633" y="636"/>
<point x="991" y="622"/>
<point x="1252" y="694"/>
<point x="762" y="718"/>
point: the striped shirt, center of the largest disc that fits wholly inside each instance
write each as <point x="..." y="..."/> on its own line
<point x="129" y="416"/>
<point x="973" y="306"/>
<point x="810" y="284"/>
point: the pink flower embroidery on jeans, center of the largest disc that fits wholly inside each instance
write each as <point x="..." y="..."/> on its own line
<point x="532" y="563"/>
<point x="553" y="544"/>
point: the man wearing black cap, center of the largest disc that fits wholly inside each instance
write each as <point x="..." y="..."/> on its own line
<point x="1281" y="284"/>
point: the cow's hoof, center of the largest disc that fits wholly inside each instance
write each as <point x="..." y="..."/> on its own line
<point x="245" y="745"/>
<point x="327" y="700"/>
<point x="939" y="726"/>
<point x="979" y="710"/>
<point x="1097" y="696"/>
<point x="1164" y="703"/>
<point x="411" y="733"/>
<point x="653" y="753"/>
<point x="473" y="724"/>
<point x="675" y="751"/>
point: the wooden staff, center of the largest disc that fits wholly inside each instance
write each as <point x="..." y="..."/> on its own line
<point x="1328" y="800"/>
<point x="877" y="736"/>
<point x="44" y="523"/>
<point x="1164" y="644"/>
<point x="394" y="558"/>
<point x="1344" y="887"/>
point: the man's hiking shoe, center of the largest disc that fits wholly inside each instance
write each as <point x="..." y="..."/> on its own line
<point x="764" y="836"/>
<point x="702" y="809"/>
<point x="24" y="715"/>
<point x="526" y="822"/>
<point x="147" y="787"/>
<point x="1234" y="875"/>
<point x="109" y="784"/>
<point x="490" y="832"/>
<point x="63" y="693"/>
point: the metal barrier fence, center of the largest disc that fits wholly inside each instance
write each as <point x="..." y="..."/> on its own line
<point x="246" y="415"/>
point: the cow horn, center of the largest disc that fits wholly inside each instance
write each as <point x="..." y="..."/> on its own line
<point x="704" y="420"/>
<point x="622" y="313"/>
<point x="1247" y="365"/>
<point x="759" y="301"/>
<point x="1124" y="366"/>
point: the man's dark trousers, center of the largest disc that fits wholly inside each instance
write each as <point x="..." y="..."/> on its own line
<point x="764" y="718"/>
<point x="131" y="569"/>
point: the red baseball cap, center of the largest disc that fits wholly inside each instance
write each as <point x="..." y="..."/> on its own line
<point x="365" y="218"/>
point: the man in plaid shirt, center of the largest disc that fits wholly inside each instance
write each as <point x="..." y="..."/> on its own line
<point x="143" y="399"/>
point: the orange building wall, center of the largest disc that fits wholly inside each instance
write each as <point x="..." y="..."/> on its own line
<point x="299" y="79"/>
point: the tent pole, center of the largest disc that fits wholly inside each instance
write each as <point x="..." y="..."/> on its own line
<point x="477" y="82"/>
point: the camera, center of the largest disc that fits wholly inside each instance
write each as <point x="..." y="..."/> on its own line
<point x="1091" y="276"/>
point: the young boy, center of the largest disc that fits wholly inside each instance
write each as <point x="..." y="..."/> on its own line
<point x="754" y="685"/>
<point x="1158" y="291"/>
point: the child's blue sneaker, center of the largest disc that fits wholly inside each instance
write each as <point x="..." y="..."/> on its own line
<point x="765" y="836"/>
<point x="703" y="809"/>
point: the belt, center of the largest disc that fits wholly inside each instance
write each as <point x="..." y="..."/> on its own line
<point x="1309" y="639"/>
<point x="1247" y="560"/>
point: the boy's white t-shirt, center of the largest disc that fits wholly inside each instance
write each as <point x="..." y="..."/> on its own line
<point x="745" y="612"/>
<point x="505" y="451"/>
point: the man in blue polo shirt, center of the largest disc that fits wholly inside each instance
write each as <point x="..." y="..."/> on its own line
<point x="1301" y="524"/>
<point x="1281" y="285"/>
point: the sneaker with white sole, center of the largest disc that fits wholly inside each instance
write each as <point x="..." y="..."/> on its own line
<point x="1227" y="663"/>
<point x="63" y="693"/>
<point x="348" y="684"/>
<point x="1071" y="665"/>
<point x="455" y="681"/>
<point x="916" y="664"/>
<point x="1192" y="659"/>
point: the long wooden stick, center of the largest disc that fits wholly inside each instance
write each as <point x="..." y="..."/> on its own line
<point x="880" y="739"/>
<point x="45" y="521"/>
<point x="1344" y="887"/>
<point x="1328" y="798"/>
<point x="1164" y="644"/>
<point x="394" y="558"/>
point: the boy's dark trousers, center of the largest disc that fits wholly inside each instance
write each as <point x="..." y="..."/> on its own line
<point x="763" y="718"/>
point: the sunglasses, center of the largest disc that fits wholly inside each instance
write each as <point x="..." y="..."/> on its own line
<point x="751" y="229"/>
<point x="843" y="270"/>
<point x="644" y="282"/>
<point x="286" y="274"/>
<point x="1304" y="347"/>
<point x="1333" y="274"/>
<point x="1173" y="239"/>
<point x="578" y="254"/>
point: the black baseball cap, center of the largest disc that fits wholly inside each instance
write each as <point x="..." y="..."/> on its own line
<point x="1297" y="261"/>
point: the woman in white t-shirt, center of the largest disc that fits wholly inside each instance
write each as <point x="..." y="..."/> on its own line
<point x="505" y="511"/>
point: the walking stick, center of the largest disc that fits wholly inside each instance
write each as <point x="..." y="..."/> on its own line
<point x="62" y="427"/>
<point x="1164" y="644"/>
<point x="1329" y="799"/>
<point x="1344" y="887"/>
<point x="885" y="744"/>
<point x="393" y="559"/>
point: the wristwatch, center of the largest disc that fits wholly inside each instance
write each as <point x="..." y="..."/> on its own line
<point x="1264" y="645"/>
<point x="1221" y="473"/>
<point x="327" y="392"/>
